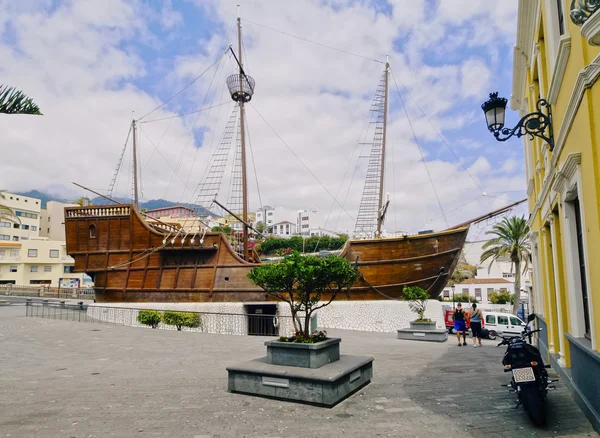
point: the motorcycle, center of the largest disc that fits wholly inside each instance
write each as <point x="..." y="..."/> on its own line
<point x="529" y="378"/>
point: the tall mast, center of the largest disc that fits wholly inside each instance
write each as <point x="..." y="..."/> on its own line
<point x="243" y="138"/>
<point x="241" y="88"/>
<point x="382" y="174"/>
<point x="135" y="180"/>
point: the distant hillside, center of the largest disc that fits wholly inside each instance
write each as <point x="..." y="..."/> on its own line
<point x="150" y="205"/>
<point x="44" y="197"/>
<point x="154" y="204"/>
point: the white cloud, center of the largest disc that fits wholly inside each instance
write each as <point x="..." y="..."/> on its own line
<point x="78" y="62"/>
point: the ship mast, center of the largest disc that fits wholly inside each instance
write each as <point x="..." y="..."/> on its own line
<point x="135" y="180"/>
<point x="380" y="210"/>
<point x="243" y="137"/>
<point x="241" y="88"/>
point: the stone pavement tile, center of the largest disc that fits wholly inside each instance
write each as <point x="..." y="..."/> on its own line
<point x="62" y="379"/>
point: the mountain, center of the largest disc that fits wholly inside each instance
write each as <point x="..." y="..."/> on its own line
<point x="149" y="205"/>
<point x="154" y="204"/>
<point x="43" y="197"/>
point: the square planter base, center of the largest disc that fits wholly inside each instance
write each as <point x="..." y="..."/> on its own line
<point x="438" y="335"/>
<point x="325" y="386"/>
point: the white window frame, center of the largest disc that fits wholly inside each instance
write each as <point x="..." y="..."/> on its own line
<point x="32" y="252"/>
<point x="33" y="268"/>
<point x="56" y="251"/>
<point x="571" y="189"/>
<point x="47" y="268"/>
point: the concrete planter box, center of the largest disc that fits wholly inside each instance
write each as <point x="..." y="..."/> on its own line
<point x="303" y="355"/>
<point x="325" y="386"/>
<point x="423" y="331"/>
<point x="422" y="325"/>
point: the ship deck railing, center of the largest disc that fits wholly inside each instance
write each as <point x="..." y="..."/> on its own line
<point x="210" y="322"/>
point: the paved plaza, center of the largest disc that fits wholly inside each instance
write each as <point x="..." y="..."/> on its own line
<point x="69" y="379"/>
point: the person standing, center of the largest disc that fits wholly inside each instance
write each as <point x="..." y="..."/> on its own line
<point x="476" y="324"/>
<point x="460" y="324"/>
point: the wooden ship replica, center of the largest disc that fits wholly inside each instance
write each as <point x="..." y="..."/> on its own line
<point x="133" y="259"/>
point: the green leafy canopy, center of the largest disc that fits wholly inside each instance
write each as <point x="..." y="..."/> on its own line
<point x="302" y="281"/>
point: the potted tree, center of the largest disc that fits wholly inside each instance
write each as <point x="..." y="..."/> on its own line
<point x="417" y="298"/>
<point x="306" y="284"/>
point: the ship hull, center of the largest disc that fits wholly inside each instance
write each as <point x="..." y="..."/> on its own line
<point x="131" y="261"/>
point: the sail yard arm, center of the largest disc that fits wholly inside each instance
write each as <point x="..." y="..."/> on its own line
<point x="489" y="215"/>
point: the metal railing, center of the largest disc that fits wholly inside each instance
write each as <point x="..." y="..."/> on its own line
<point x="46" y="291"/>
<point x="215" y="323"/>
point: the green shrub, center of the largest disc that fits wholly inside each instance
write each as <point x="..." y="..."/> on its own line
<point x="149" y="317"/>
<point x="462" y="298"/>
<point x="417" y="298"/>
<point x="182" y="319"/>
<point x="501" y="297"/>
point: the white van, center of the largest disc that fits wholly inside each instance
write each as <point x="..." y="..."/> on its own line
<point x="503" y="324"/>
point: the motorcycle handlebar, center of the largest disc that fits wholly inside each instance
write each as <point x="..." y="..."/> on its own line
<point x="507" y="340"/>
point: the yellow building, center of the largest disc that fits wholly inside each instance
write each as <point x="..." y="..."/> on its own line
<point x="557" y="58"/>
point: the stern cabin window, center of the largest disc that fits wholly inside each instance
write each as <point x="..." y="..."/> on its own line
<point x="92" y="231"/>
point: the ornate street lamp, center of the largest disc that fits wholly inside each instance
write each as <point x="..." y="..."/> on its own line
<point x="533" y="124"/>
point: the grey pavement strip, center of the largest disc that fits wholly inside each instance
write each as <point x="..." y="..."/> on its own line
<point x="70" y="379"/>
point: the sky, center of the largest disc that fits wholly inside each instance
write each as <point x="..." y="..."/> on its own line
<point x="94" y="66"/>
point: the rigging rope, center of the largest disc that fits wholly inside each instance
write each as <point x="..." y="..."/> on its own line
<point x="314" y="42"/>
<point x="205" y="122"/>
<point x="253" y="165"/>
<point x="301" y="162"/>
<point x="191" y="133"/>
<point x="186" y="114"/>
<point x="116" y="174"/>
<point x="164" y="159"/>
<point x="186" y="87"/>
<point x="442" y="272"/>
<point x="438" y="133"/>
<point x="420" y="151"/>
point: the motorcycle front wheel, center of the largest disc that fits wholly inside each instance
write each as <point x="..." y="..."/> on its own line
<point x="533" y="403"/>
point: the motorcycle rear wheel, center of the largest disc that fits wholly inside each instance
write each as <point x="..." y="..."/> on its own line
<point x="534" y="405"/>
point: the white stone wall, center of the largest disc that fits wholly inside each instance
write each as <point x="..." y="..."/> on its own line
<point x="229" y="318"/>
<point x="375" y="316"/>
<point x="216" y="318"/>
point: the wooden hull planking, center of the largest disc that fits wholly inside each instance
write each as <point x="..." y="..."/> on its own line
<point x="128" y="261"/>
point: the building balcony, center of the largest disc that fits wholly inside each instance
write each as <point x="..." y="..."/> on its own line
<point x="586" y="13"/>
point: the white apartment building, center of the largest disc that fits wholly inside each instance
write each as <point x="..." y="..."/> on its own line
<point x="52" y="220"/>
<point x="26" y="222"/>
<point x="266" y="215"/>
<point x="39" y="261"/>
<point x="480" y="288"/>
<point x="284" y="229"/>
<point x="303" y="222"/>
<point x="28" y="259"/>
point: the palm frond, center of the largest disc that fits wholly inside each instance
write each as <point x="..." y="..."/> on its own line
<point x="13" y="101"/>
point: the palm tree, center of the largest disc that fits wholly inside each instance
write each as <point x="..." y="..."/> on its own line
<point x="13" y="101"/>
<point x="511" y="241"/>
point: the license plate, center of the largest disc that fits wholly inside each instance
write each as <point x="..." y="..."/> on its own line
<point x="523" y="375"/>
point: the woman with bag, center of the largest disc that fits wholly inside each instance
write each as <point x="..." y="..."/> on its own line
<point x="476" y="324"/>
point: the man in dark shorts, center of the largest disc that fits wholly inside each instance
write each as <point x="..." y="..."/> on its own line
<point x="476" y="324"/>
<point x="460" y="324"/>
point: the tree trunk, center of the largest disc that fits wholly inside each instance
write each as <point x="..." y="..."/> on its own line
<point x="295" y="319"/>
<point x="517" y="302"/>
<point x="307" y="325"/>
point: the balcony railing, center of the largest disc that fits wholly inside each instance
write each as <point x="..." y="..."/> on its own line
<point x="97" y="212"/>
<point x="582" y="10"/>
